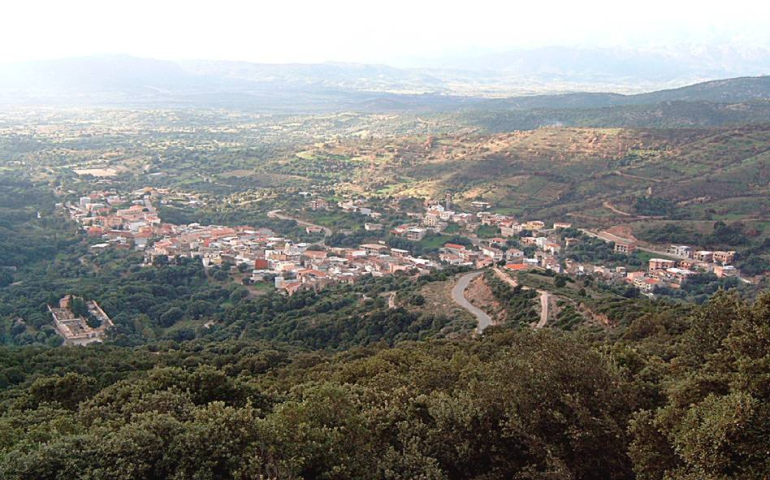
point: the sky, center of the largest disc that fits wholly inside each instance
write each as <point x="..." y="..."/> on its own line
<point x="287" y="31"/>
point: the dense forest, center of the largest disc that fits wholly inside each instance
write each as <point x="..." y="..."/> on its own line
<point x="671" y="397"/>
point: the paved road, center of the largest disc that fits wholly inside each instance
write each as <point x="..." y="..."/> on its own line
<point x="608" y="237"/>
<point x="277" y="214"/>
<point x="458" y="295"/>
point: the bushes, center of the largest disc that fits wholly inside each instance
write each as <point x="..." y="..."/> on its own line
<point x="653" y="206"/>
<point x="520" y="304"/>
<point x="679" y="396"/>
<point x="431" y="410"/>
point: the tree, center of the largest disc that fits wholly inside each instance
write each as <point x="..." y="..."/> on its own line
<point x="92" y="321"/>
<point x="68" y="390"/>
<point x="171" y="316"/>
<point x="79" y="307"/>
<point x="6" y="278"/>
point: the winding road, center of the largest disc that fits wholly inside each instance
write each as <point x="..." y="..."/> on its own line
<point x="458" y="295"/>
<point x="608" y="237"/>
<point x="280" y="216"/>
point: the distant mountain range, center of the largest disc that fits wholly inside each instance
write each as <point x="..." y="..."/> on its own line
<point x="613" y="65"/>
<point x="462" y="84"/>
<point x="732" y="90"/>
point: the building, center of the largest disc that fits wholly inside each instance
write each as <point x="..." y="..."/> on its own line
<point x="633" y="276"/>
<point x="551" y="247"/>
<point x="549" y="262"/>
<point x="688" y="264"/>
<point x="704" y="256"/>
<point x="724" y="257"/>
<point x="647" y="285"/>
<point x="508" y="229"/>
<point x="680" y="251"/>
<point x="514" y="255"/>
<point x="678" y="275"/>
<point x="415" y="234"/>
<point x="494" y="253"/>
<point x="723" y="271"/>
<point x="374" y="248"/>
<point x="656" y="264"/>
<point x="318" y="204"/>
<point x="534" y="225"/>
<point x="483" y="262"/>
<point x="454" y="248"/>
<point x="76" y="329"/>
<point x="625" y="248"/>
<point x="372" y="227"/>
<point x="431" y="219"/>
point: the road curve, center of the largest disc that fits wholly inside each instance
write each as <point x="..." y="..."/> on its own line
<point x="458" y="295"/>
<point x="276" y="214"/>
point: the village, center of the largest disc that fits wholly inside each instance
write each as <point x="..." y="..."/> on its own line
<point x="132" y="222"/>
<point x="290" y="266"/>
<point x="549" y="249"/>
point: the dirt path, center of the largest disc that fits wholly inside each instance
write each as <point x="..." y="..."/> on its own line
<point x="506" y="278"/>
<point x="391" y="300"/>
<point x="545" y="296"/>
<point x="545" y="299"/>
<point x="612" y="207"/>
<point x="275" y="214"/>
<point x="638" y="177"/>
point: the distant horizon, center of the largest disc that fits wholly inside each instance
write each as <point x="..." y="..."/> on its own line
<point x="344" y="31"/>
<point x="405" y="63"/>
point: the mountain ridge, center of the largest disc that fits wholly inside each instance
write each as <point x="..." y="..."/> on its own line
<point x="126" y="80"/>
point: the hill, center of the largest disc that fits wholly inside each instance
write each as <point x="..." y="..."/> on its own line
<point x="676" y="114"/>
<point x="560" y="172"/>
<point x="680" y="393"/>
<point x="734" y="90"/>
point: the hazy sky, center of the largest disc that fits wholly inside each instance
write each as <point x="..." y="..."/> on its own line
<point x="363" y="30"/>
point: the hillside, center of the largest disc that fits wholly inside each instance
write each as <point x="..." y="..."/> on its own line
<point x="677" y="394"/>
<point x="561" y="171"/>
<point x="661" y="115"/>
<point x="734" y="90"/>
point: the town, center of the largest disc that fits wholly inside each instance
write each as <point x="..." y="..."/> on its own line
<point x="132" y="222"/>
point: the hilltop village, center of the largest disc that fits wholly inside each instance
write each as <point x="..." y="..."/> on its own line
<point x="132" y="222"/>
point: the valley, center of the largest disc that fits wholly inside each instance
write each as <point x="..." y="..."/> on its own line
<point x="417" y="286"/>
